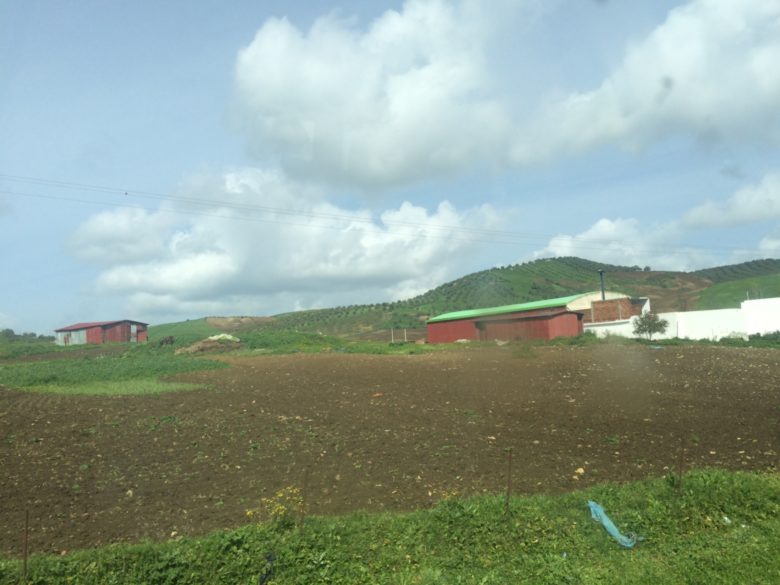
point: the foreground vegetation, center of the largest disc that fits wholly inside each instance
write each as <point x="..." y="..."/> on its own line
<point x="721" y="527"/>
<point x="143" y="369"/>
<point x="136" y="371"/>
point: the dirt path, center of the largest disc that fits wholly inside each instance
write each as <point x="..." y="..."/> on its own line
<point x="375" y="432"/>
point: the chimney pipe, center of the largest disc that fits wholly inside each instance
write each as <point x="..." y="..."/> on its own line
<point x="601" y="277"/>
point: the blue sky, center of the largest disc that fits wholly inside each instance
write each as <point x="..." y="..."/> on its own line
<point x="164" y="161"/>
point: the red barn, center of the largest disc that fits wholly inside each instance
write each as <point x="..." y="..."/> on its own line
<point x="124" y="331"/>
<point x="547" y="319"/>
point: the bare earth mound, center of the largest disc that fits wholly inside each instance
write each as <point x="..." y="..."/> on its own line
<point x="375" y="432"/>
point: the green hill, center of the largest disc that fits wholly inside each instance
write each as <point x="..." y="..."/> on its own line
<point x="731" y="293"/>
<point x="185" y="332"/>
<point x="740" y="271"/>
<point x="718" y="287"/>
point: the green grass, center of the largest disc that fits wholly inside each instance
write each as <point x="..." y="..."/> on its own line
<point x="184" y="332"/>
<point x="723" y="529"/>
<point x="17" y="349"/>
<point x="285" y="342"/>
<point x="727" y="295"/>
<point x="134" y="372"/>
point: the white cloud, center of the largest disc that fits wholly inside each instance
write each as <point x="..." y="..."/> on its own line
<point x="122" y="235"/>
<point x="407" y="98"/>
<point x="627" y="242"/>
<point x="268" y="244"/>
<point x="750" y="204"/>
<point x="710" y="70"/>
<point x="5" y="321"/>
<point x="770" y="244"/>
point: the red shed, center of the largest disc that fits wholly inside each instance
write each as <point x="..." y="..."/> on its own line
<point x="535" y="320"/>
<point x="124" y="331"/>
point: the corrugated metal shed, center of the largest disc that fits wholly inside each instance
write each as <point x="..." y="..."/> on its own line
<point x="544" y="319"/>
<point x="97" y="332"/>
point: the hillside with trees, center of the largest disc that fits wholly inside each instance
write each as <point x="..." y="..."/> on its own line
<point x="539" y="279"/>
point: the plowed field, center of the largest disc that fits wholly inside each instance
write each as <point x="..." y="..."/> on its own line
<point x="374" y="432"/>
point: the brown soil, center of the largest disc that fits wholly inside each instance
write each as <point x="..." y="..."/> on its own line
<point x="676" y="291"/>
<point x="375" y="432"/>
<point x="210" y="346"/>
<point x="232" y="324"/>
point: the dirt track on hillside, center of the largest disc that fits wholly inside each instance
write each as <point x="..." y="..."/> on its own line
<point x="375" y="432"/>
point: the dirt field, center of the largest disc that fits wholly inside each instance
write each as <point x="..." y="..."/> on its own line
<point x="375" y="432"/>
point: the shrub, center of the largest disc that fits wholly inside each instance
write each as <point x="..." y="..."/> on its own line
<point x="649" y="324"/>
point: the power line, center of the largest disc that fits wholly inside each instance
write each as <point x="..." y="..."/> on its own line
<point x="458" y="233"/>
<point x="250" y="207"/>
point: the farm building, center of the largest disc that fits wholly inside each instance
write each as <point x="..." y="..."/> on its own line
<point x="546" y="319"/>
<point x="124" y="331"/>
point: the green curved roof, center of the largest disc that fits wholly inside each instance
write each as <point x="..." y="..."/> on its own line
<point x="471" y="313"/>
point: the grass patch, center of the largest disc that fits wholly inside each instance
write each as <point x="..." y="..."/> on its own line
<point x="723" y="529"/>
<point x="17" y="349"/>
<point x="130" y="372"/>
<point x="184" y="332"/>
<point x="285" y="342"/>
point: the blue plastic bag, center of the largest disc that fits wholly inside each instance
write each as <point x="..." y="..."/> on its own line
<point x="598" y="514"/>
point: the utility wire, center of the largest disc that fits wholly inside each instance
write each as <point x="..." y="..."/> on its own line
<point x="467" y="234"/>
<point x="252" y="207"/>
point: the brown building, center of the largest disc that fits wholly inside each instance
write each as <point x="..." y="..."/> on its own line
<point x="546" y="319"/>
<point x="124" y="331"/>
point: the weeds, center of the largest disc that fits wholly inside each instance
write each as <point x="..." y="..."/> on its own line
<point x="283" y="508"/>
<point x="129" y="373"/>
<point x="721" y="530"/>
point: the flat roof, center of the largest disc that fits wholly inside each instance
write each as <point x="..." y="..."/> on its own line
<point x="486" y="312"/>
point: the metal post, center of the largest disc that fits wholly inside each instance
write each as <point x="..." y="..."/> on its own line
<point x="601" y="277"/>
<point x="508" y="479"/>
<point x="26" y="540"/>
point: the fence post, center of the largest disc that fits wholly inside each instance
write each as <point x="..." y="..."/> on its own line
<point x="26" y="542"/>
<point x="508" y="479"/>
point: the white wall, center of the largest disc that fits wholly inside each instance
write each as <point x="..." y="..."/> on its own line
<point x="709" y="324"/>
<point x="691" y="325"/>
<point x="757" y="316"/>
<point x="603" y="329"/>
<point x="762" y="315"/>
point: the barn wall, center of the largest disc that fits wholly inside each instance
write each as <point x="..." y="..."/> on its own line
<point x="71" y="337"/>
<point x="517" y="328"/>
<point x="117" y="333"/>
<point x="451" y="331"/>
<point x="564" y="325"/>
<point x="539" y="324"/>
<point x="94" y="335"/>
<point x="142" y="334"/>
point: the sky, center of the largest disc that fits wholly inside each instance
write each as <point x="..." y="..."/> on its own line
<point x="162" y="161"/>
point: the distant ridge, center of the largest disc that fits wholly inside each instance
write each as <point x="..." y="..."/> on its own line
<point x="537" y="280"/>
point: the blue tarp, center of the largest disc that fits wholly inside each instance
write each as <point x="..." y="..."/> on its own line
<point x="598" y="514"/>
